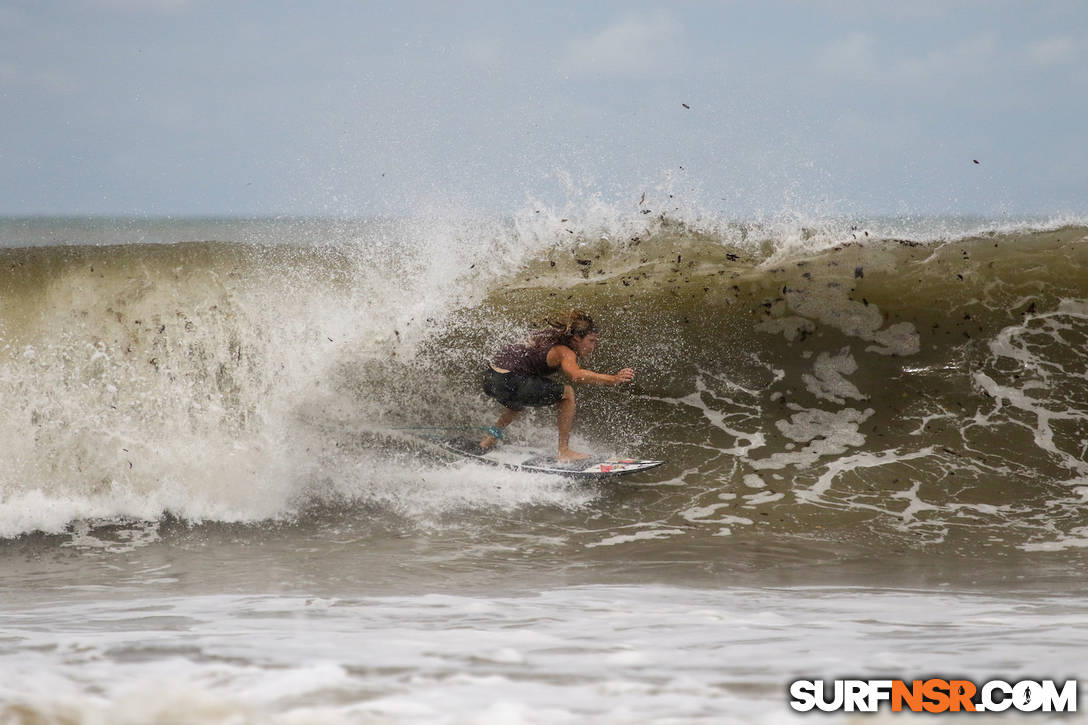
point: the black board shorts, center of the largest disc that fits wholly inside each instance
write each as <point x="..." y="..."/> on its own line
<point x="515" y="390"/>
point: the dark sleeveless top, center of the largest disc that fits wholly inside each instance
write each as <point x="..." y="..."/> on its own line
<point x="526" y="359"/>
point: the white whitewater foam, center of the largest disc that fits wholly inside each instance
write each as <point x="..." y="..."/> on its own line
<point x="607" y="654"/>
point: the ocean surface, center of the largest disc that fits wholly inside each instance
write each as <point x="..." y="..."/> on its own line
<point x="215" y="506"/>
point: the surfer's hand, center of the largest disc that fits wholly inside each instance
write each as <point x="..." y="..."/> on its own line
<point x="624" y="376"/>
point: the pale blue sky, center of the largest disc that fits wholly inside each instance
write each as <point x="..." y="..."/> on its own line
<point x="179" y="107"/>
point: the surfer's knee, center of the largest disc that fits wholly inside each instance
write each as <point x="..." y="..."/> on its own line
<point x="568" y="393"/>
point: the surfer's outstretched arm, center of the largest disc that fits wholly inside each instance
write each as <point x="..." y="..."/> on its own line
<point x="566" y="359"/>
<point x="568" y="362"/>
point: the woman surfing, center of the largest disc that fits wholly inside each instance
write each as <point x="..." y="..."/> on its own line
<point x="520" y="375"/>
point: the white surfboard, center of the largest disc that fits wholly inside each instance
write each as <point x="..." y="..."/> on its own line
<point x="594" y="467"/>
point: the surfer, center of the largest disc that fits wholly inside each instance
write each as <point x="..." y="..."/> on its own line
<point x="519" y="375"/>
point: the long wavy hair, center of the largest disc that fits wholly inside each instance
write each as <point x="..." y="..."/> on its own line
<point x="562" y="329"/>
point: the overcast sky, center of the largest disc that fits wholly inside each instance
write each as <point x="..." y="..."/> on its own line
<point x="247" y="107"/>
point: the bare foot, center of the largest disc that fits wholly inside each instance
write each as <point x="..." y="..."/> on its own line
<point x="568" y="455"/>
<point x="488" y="442"/>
